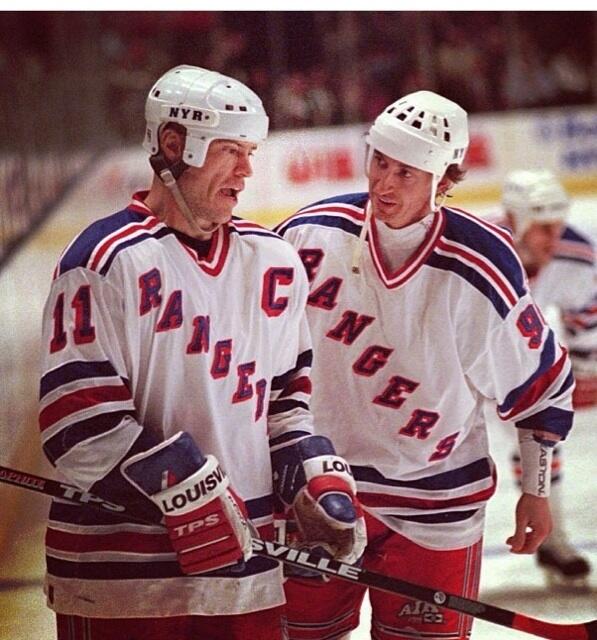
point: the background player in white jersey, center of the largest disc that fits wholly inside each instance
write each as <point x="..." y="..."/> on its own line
<point x="420" y="313"/>
<point x="176" y="360"/>
<point x="560" y="264"/>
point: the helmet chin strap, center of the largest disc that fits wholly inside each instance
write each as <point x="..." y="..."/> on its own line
<point x="169" y="174"/>
<point x="442" y="199"/>
<point x="358" y="248"/>
<point x="435" y="206"/>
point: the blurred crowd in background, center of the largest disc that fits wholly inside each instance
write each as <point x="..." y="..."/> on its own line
<point x="75" y="83"/>
<point x="311" y="68"/>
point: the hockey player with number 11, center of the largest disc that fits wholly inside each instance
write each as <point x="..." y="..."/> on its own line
<point x="419" y="313"/>
<point x="175" y="381"/>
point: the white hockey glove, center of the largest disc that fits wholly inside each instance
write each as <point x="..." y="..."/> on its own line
<point x="206" y="521"/>
<point x="317" y="487"/>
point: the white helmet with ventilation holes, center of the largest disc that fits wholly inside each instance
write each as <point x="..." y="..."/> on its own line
<point x="423" y="130"/>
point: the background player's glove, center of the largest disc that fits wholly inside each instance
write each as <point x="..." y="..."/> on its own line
<point x="316" y="486"/>
<point x="207" y="522"/>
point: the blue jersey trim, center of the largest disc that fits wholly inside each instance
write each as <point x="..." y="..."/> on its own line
<point x="474" y="235"/>
<point x="288" y="437"/>
<point x="80" y="251"/>
<point x="331" y="219"/>
<point x="473" y="277"/>
<point x="160" y="233"/>
<point x="545" y="363"/>
<point x="552" y="419"/>
<point x="146" y="570"/>
<point x="75" y="433"/>
<point x="323" y="220"/>
<point x="305" y="359"/>
<point x="478" y="470"/>
<point x="282" y="406"/>
<point x="357" y="199"/>
<point x="438" y="518"/>
<point x="78" y="370"/>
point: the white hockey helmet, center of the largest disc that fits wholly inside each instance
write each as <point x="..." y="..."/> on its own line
<point x="534" y="195"/>
<point x="423" y="130"/>
<point x="209" y="105"/>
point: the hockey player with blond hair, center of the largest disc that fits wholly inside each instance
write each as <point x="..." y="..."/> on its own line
<point x="419" y="313"/>
<point x="175" y="381"/>
<point x="560" y="264"/>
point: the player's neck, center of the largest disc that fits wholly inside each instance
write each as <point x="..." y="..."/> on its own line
<point x="163" y="205"/>
<point x="160" y="201"/>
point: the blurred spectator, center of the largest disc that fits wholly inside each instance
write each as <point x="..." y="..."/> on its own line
<point x="90" y="71"/>
<point x="528" y="81"/>
<point x="321" y="101"/>
<point x="291" y="109"/>
<point x="312" y="68"/>
<point x="572" y="77"/>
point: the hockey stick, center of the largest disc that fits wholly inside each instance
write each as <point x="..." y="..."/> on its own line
<point x="304" y="559"/>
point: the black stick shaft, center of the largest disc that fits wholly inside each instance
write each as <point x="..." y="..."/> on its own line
<point x="341" y="570"/>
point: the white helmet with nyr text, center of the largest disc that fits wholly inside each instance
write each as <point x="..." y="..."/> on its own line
<point x="209" y="105"/>
<point x="423" y="130"/>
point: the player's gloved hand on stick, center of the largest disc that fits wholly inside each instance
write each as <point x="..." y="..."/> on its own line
<point x="319" y="492"/>
<point x="206" y="521"/>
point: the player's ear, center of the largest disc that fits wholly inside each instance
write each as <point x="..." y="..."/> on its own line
<point x="510" y="221"/>
<point x="172" y="143"/>
<point x="444" y="185"/>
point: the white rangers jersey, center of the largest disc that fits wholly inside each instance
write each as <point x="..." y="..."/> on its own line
<point x="567" y="283"/>
<point x="404" y="360"/>
<point x="568" y="280"/>
<point x="148" y="332"/>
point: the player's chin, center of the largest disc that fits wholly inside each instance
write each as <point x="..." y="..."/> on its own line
<point x="226" y="207"/>
<point x="224" y="216"/>
<point x="384" y="213"/>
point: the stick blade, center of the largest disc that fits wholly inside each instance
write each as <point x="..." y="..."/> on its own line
<point x="553" y="631"/>
<point x="592" y="630"/>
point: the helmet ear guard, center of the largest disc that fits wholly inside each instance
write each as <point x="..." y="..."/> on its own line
<point x="159" y="163"/>
<point x="423" y="130"/>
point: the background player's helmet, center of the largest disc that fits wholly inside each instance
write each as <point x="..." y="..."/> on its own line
<point x="209" y="105"/>
<point x="534" y="195"/>
<point x="423" y="130"/>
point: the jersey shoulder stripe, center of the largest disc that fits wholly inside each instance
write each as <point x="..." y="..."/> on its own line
<point x="573" y="235"/>
<point x="249" y="228"/>
<point x="575" y="247"/>
<point x="357" y="199"/>
<point x="481" y="253"/>
<point x="96" y="247"/>
<point x="341" y="212"/>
